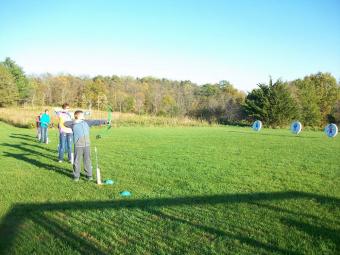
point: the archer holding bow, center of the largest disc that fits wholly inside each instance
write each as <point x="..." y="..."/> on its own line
<point x="81" y="138"/>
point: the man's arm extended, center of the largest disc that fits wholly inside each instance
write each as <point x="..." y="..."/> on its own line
<point x="68" y="124"/>
<point x="96" y="122"/>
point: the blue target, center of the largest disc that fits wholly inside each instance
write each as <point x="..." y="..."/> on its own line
<point x="331" y="130"/>
<point x="257" y="125"/>
<point x="296" y="127"/>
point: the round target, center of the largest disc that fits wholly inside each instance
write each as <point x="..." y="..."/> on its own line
<point x="331" y="130"/>
<point x="257" y="125"/>
<point x="296" y="127"/>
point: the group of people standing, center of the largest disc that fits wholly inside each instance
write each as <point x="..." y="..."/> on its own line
<point x="74" y="131"/>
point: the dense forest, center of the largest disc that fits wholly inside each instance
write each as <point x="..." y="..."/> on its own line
<point x="314" y="100"/>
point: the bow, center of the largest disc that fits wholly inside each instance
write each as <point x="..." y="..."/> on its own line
<point x="109" y="126"/>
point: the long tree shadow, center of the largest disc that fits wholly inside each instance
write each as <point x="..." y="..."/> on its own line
<point x="221" y="233"/>
<point x="23" y="137"/>
<point x="290" y="212"/>
<point x="40" y="146"/>
<point x="11" y="224"/>
<point x="315" y="231"/>
<point x="49" y="167"/>
<point x="26" y="148"/>
<point x="65" y="235"/>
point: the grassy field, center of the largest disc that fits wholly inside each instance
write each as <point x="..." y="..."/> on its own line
<point x="195" y="190"/>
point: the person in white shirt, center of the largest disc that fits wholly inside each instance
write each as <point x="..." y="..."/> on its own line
<point x="65" y="134"/>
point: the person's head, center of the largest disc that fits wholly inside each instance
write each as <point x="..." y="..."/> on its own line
<point x="79" y="115"/>
<point x="65" y="106"/>
<point x="46" y="111"/>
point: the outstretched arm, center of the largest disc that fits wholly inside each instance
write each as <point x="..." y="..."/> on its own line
<point x="96" y="122"/>
<point x="68" y="124"/>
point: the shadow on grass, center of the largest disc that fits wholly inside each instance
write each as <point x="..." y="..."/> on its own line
<point x="315" y="231"/>
<point x="220" y="233"/>
<point x="49" y="167"/>
<point x="12" y="223"/>
<point x="24" y="137"/>
<point x="28" y="150"/>
<point x="65" y="235"/>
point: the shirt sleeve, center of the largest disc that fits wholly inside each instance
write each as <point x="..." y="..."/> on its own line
<point x="68" y="124"/>
<point x="96" y="122"/>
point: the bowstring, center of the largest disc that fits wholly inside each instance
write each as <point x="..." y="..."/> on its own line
<point x="109" y="118"/>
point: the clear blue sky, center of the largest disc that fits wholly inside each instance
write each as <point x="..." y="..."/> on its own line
<point x="243" y="41"/>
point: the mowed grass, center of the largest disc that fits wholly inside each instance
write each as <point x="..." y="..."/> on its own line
<point x="200" y="190"/>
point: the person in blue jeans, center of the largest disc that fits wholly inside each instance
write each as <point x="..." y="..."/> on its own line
<point x="65" y="134"/>
<point x="65" y="145"/>
<point x="44" y="123"/>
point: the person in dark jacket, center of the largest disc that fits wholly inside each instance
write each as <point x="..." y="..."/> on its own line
<point x="37" y="123"/>
<point x="81" y="139"/>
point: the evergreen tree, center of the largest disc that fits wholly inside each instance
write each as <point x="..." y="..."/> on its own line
<point x="272" y="103"/>
<point x="8" y="89"/>
<point x="20" y="79"/>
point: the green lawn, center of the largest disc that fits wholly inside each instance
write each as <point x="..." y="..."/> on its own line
<point x="218" y="190"/>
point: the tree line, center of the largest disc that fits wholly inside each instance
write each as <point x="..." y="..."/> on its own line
<point x="314" y="100"/>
